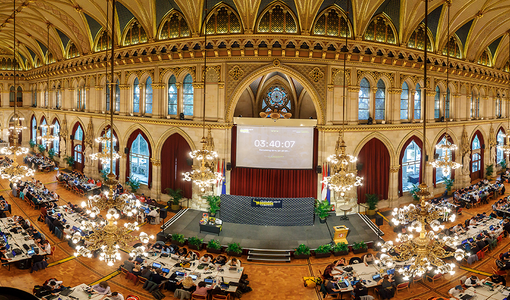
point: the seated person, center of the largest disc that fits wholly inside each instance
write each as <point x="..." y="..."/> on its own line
<point x="220" y="260"/>
<point x="202" y="289"/>
<point x="472" y="281"/>
<point x="187" y="284"/>
<point x="182" y="252"/>
<point x="165" y="250"/>
<point x="455" y="292"/>
<point x="233" y="263"/>
<point x="497" y="279"/>
<point x="368" y="259"/>
<point x="206" y="259"/>
<point x="156" y="247"/>
<point x="331" y="287"/>
<point x="359" y="290"/>
<point x="3" y="258"/>
<point x="102" y="288"/>
<point x="387" y="290"/>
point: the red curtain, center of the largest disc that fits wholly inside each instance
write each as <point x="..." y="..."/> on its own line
<point x="275" y="183"/>
<point x="375" y="170"/>
<point x="420" y="144"/>
<point x="130" y="141"/>
<point x="174" y="162"/>
<point x="77" y="165"/>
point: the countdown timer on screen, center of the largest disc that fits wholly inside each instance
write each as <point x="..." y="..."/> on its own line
<point x="274" y="147"/>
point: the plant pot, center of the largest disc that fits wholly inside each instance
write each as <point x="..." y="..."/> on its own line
<point x="175" y="207"/>
<point x="234" y="254"/>
<point x="340" y="253"/>
<point x="301" y="256"/>
<point x="212" y="214"/>
<point x="177" y="243"/>
<point x="371" y="212"/>
<point x="450" y="192"/>
<point x="322" y="255"/>
<point x="195" y="247"/>
<point x="357" y="251"/>
<point x="322" y="220"/>
<point x="215" y="251"/>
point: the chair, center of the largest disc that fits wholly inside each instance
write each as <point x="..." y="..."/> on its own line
<point x="417" y="278"/>
<point x="40" y="265"/>
<point x="435" y="277"/>
<point x="221" y="297"/>
<point x="485" y="249"/>
<point x="132" y="277"/>
<point x="376" y="292"/>
<point x="459" y="212"/>
<point x="480" y="254"/>
<point x="498" y="271"/>
<point x="124" y="271"/>
<point x="402" y="286"/>
<point x="198" y="297"/>
<point x="141" y="279"/>
<point x="355" y="260"/>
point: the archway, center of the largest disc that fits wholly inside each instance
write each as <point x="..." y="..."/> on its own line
<point x="374" y="167"/>
<point x="477" y="156"/>
<point x="175" y="161"/>
<point x="77" y="147"/>
<point x="139" y="157"/>
<point x="410" y="164"/>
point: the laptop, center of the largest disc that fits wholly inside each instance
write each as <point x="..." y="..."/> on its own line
<point x="391" y="271"/>
<point x="156" y="265"/>
<point x="66" y="292"/>
<point x="466" y="297"/>
<point x="31" y="252"/>
<point x="180" y="274"/>
<point x="376" y="277"/>
<point x="165" y="270"/>
<point x="343" y="284"/>
<point x="139" y="260"/>
<point x="209" y="281"/>
<point x="353" y="283"/>
<point x="10" y="254"/>
<point x="194" y="277"/>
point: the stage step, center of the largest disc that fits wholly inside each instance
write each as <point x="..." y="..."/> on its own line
<point x="371" y="224"/>
<point x="269" y="255"/>
<point x="174" y="218"/>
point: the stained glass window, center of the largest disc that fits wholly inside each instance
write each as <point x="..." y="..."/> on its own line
<point x="106" y="167"/>
<point x="476" y="143"/>
<point x="72" y="51"/>
<point x="331" y="23"/>
<point x="454" y="48"/>
<point x="447" y="104"/>
<point x="139" y="159"/>
<point x="148" y="96"/>
<point x="417" y="39"/>
<point x="276" y="20"/>
<point x="485" y="59"/>
<point x="33" y="127"/>
<point x="223" y="21"/>
<point x="135" y="35"/>
<point x="56" y="132"/>
<point x="500" y="138"/>
<point x="187" y="95"/>
<point x="117" y="95"/>
<point x="136" y="96"/>
<point x="404" y="102"/>
<point x="104" y="41"/>
<point x="411" y="166"/>
<point x="277" y="98"/>
<point x="437" y="102"/>
<point x="364" y="100"/>
<point x="475" y="163"/>
<point x="78" y="134"/>
<point x="78" y="154"/>
<point x="441" y="153"/>
<point x="174" y="26"/>
<point x="380" y="30"/>
<point x="172" y="96"/>
<point x="417" y="102"/>
<point x="380" y="100"/>
<point x="43" y="129"/>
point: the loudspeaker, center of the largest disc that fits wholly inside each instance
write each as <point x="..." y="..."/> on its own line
<point x="126" y="150"/>
<point x="370" y="121"/>
<point x="427" y="157"/>
<point x="483" y="146"/>
<point x="72" y="137"/>
<point x="163" y="213"/>
<point x="442" y="119"/>
<point x="117" y="148"/>
<point x="229" y="166"/>
<point x="189" y="161"/>
<point x="38" y="127"/>
<point x="436" y="156"/>
<point x="318" y="169"/>
<point x="378" y="220"/>
<point x="181" y="116"/>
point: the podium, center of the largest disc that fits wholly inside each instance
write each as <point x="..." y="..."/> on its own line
<point x="341" y="234"/>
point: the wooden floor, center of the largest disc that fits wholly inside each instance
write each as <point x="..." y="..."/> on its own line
<point x="268" y="281"/>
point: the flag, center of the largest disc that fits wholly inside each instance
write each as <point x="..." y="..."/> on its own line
<point x="324" y="187"/>
<point x="224" y="181"/>
<point x="218" y="182"/>
<point x="328" y="193"/>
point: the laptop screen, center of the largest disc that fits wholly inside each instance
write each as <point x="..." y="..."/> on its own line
<point x="194" y="277"/>
<point x="179" y="274"/>
<point x="376" y="277"/>
<point x="390" y="271"/>
<point x="156" y="265"/>
<point x="165" y="270"/>
<point x="209" y="281"/>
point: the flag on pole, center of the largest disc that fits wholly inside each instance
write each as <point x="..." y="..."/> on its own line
<point x="324" y="187"/>
<point x="224" y="180"/>
<point x="328" y="193"/>
<point x="218" y="182"/>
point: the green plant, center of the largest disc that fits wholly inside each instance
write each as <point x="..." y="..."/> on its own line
<point x="175" y="194"/>
<point x="104" y="174"/>
<point x="322" y="208"/>
<point x="234" y="248"/>
<point x="214" y="203"/>
<point x="448" y="182"/>
<point x="302" y="250"/>
<point x="372" y="200"/>
<point x="69" y="160"/>
<point x="195" y="241"/>
<point x="503" y="164"/>
<point x="134" y="183"/>
<point x="489" y="169"/>
<point x="32" y="144"/>
<point x="214" y="245"/>
<point x="340" y="247"/>
<point x="51" y="153"/>
<point x="176" y="237"/>
<point x="41" y="148"/>
<point x="323" y="249"/>
<point x="358" y="246"/>
<point x="415" y="189"/>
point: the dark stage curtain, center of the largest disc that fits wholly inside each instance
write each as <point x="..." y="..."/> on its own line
<point x="174" y="162"/>
<point x="420" y="144"/>
<point x="276" y="183"/>
<point x="130" y="141"/>
<point x="375" y="171"/>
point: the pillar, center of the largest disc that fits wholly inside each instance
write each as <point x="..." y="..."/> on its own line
<point x="393" y="186"/>
<point x="430" y="93"/>
<point x="156" y="179"/>
<point x="125" y="99"/>
<point x="198" y="98"/>
<point x="352" y="106"/>
<point x="158" y="99"/>
<point x="393" y="106"/>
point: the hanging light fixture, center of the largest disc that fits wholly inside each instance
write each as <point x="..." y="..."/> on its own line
<point x="444" y="162"/>
<point x="204" y="175"/>
<point x="342" y="179"/>
<point x="46" y="138"/>
<point x="15" y="172"/>
<point x="426" y="251"/>
<point x="106" y="236"/>
<point x="506" y="146"/>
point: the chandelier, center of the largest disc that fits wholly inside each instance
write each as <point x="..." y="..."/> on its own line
<point x="15" y="172"/>
<point x="342" y="180"/>
<point x="204" y="175"/>
<point x="106" y="154"/>
<point x="444" y="162"/>
<point x="426" y="251"/>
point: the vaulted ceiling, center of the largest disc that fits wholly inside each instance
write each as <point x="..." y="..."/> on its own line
<point x="479" y="24"/>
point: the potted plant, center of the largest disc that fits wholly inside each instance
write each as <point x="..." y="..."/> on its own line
<point x="503" y="164"/>
<point x="323" y="251"/>
<point x="372" y="200"/>
<point x="51" y="153"/>
<point x="214" y="204"/>
<point x="69" y="161"/>
<point x="340" y="249"/>
<point x="214" y="246"/>
<point x="32" y="144"/>
<point x="448" y="182"/>
<point x="176" y="198"/>
<point x="489" y="169"/>
<point x="195" y="243"/>
<point x="233" y="249"/>
<point x="41" y="149"/>
<point x="302" y="251"/>
<point x="134" y="183"/>
<point x="359" y="247"/>
<point x="322" y="209"/>
<point x="415" y="189"/>
<point x="178" y="239"/>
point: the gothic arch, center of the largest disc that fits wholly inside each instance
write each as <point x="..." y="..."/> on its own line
<point x="168" y="133"/>
<point x="383" y="139"/>
<point x="134" y="127"/>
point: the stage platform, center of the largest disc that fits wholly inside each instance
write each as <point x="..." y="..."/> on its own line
<point x="274" y="237"/>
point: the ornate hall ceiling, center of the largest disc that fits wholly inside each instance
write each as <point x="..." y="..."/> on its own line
<point x="479" y="24"/>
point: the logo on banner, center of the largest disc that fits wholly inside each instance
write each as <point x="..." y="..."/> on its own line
<point x="266" y="203"/>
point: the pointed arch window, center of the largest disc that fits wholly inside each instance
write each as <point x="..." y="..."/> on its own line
<point x="485" y="59"/>
<point x="78" y="134"/>
<point x="104" y="41"/>
<point x="117" y="95"/>
<point x="135" y="34"/>
<point x="139" y="159"/>
<point x="43" y="129"/>
<point x="500" y="138"/>
<point x="33" y="129"/>
<point x="437" y="103"/>
<point x="148" y="95"/>
<point x="498" y="106"/>
<point x="439" y="177"/>
<point x="380" y="30"/>
<point x="72" y="51"/>
<point x="411" y="163"/>
<point x="277" y="19"/>
<point x="172" y="96"/>
<point x="380" y="99"/>
<point x="56" y="132"/>
<point x="417" y="102"/>
<point x="187" y="95"/>
<point x="332" y="22"/>
<point x="223" y="21"/>
<point x="136" y="96"/>
<point x="475" y="105"/>
<point x="106" y="168"/>
<point x="364" y="100"/>
<point x="416" y="40"/>
<point x="404" y="102"/>
<point x="174" y="26"/>
<point x="454" y="48"/>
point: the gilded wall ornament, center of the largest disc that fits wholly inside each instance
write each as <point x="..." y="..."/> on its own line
<point x="316" y="74"/>
<point x="236" y="73"/>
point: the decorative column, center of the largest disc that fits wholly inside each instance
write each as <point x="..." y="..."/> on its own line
<point x="158" y="98"/>
<point x="99" y="96"/>
<point x="352" y="106"/>
<point x="198" y="97"/>
<point x="125" y="99"/>
<point x="141" y="105"/>
<point x="371" y="107"/>
<point x="122" y="168"/>
<point x="393" y="186"/>
<point x="393" y="106"/>
<point x="88" y="101"/>
<point x="6" y="96"/>
<point x="430" y="94"/>
<point x="156" y="179"/>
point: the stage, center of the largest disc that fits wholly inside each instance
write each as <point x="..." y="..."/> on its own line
<point x="273" y="237"/>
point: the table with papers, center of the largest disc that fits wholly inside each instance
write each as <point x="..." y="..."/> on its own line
<point x="78" y="292"/>
<point x="486" y="292"/>
<point x="16" y="241"/>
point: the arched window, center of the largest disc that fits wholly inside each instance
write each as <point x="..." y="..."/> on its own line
<point x="78" y="154"/>
<point x="417" y="102"/>
<point x="437" y="103"/>
<point x="417" y="39"/>
<point x="187" y="95"/>
<point x="77" y="146"/>
<point x="106" y="168"/>
<point x="380" y="97"/>
<point x="104" y="41"/>
<point x="364" y="100"/>
<point x="453" y="45"/>
<point x="117" y="95"/>
<point x="108" y="93"/>
<point x="500" y="138"/>
<point x="332" y="22"/>
<point x="498" y="107"/>
<point x="441" y="153"/>
<point x="139" y="159"/>
<point x="476" y="162"/>
<point x="148" y="96"/>
<point x="172" y="96"/>
<point x="78" y="134"/>
<point x="404" y="102"/>
<point x="57" y="97"/>
<point x="43" y="128"/>
<point x="380" y="30"/>
<point x="135" y="34"/>
<point x="72" y="51"/>
<point x="56" y="132"/>
<point x="485" y="59"/>
<point x="475" y="105"/>
<point x="34" y="97"/>
<point x="447" y="104"/>
<point x="136" y="96"/>
<point x="277" y="20"/>
<point x="411" y="166"/>
<point x="174" y="26"/>
<point x="223" y="20"/>
<point x="33" y="127"/>
<point x="476" y="143"/>
<point x="277" y="98"/>
<point x="477" y="156"/>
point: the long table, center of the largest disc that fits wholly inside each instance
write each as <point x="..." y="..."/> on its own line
<point x="486" y="292"/>
<point x="35" y="192"/>
<point x="16" y="240"/>
<point x="78" y="293"/>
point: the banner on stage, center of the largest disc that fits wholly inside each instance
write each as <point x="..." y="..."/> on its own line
<point x="272" y="203"/>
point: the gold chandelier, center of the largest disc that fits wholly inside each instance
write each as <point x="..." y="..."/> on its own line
<point x="107" y="152"/>
<point x="342" y="180"/>
<point x="444" y="162"/>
